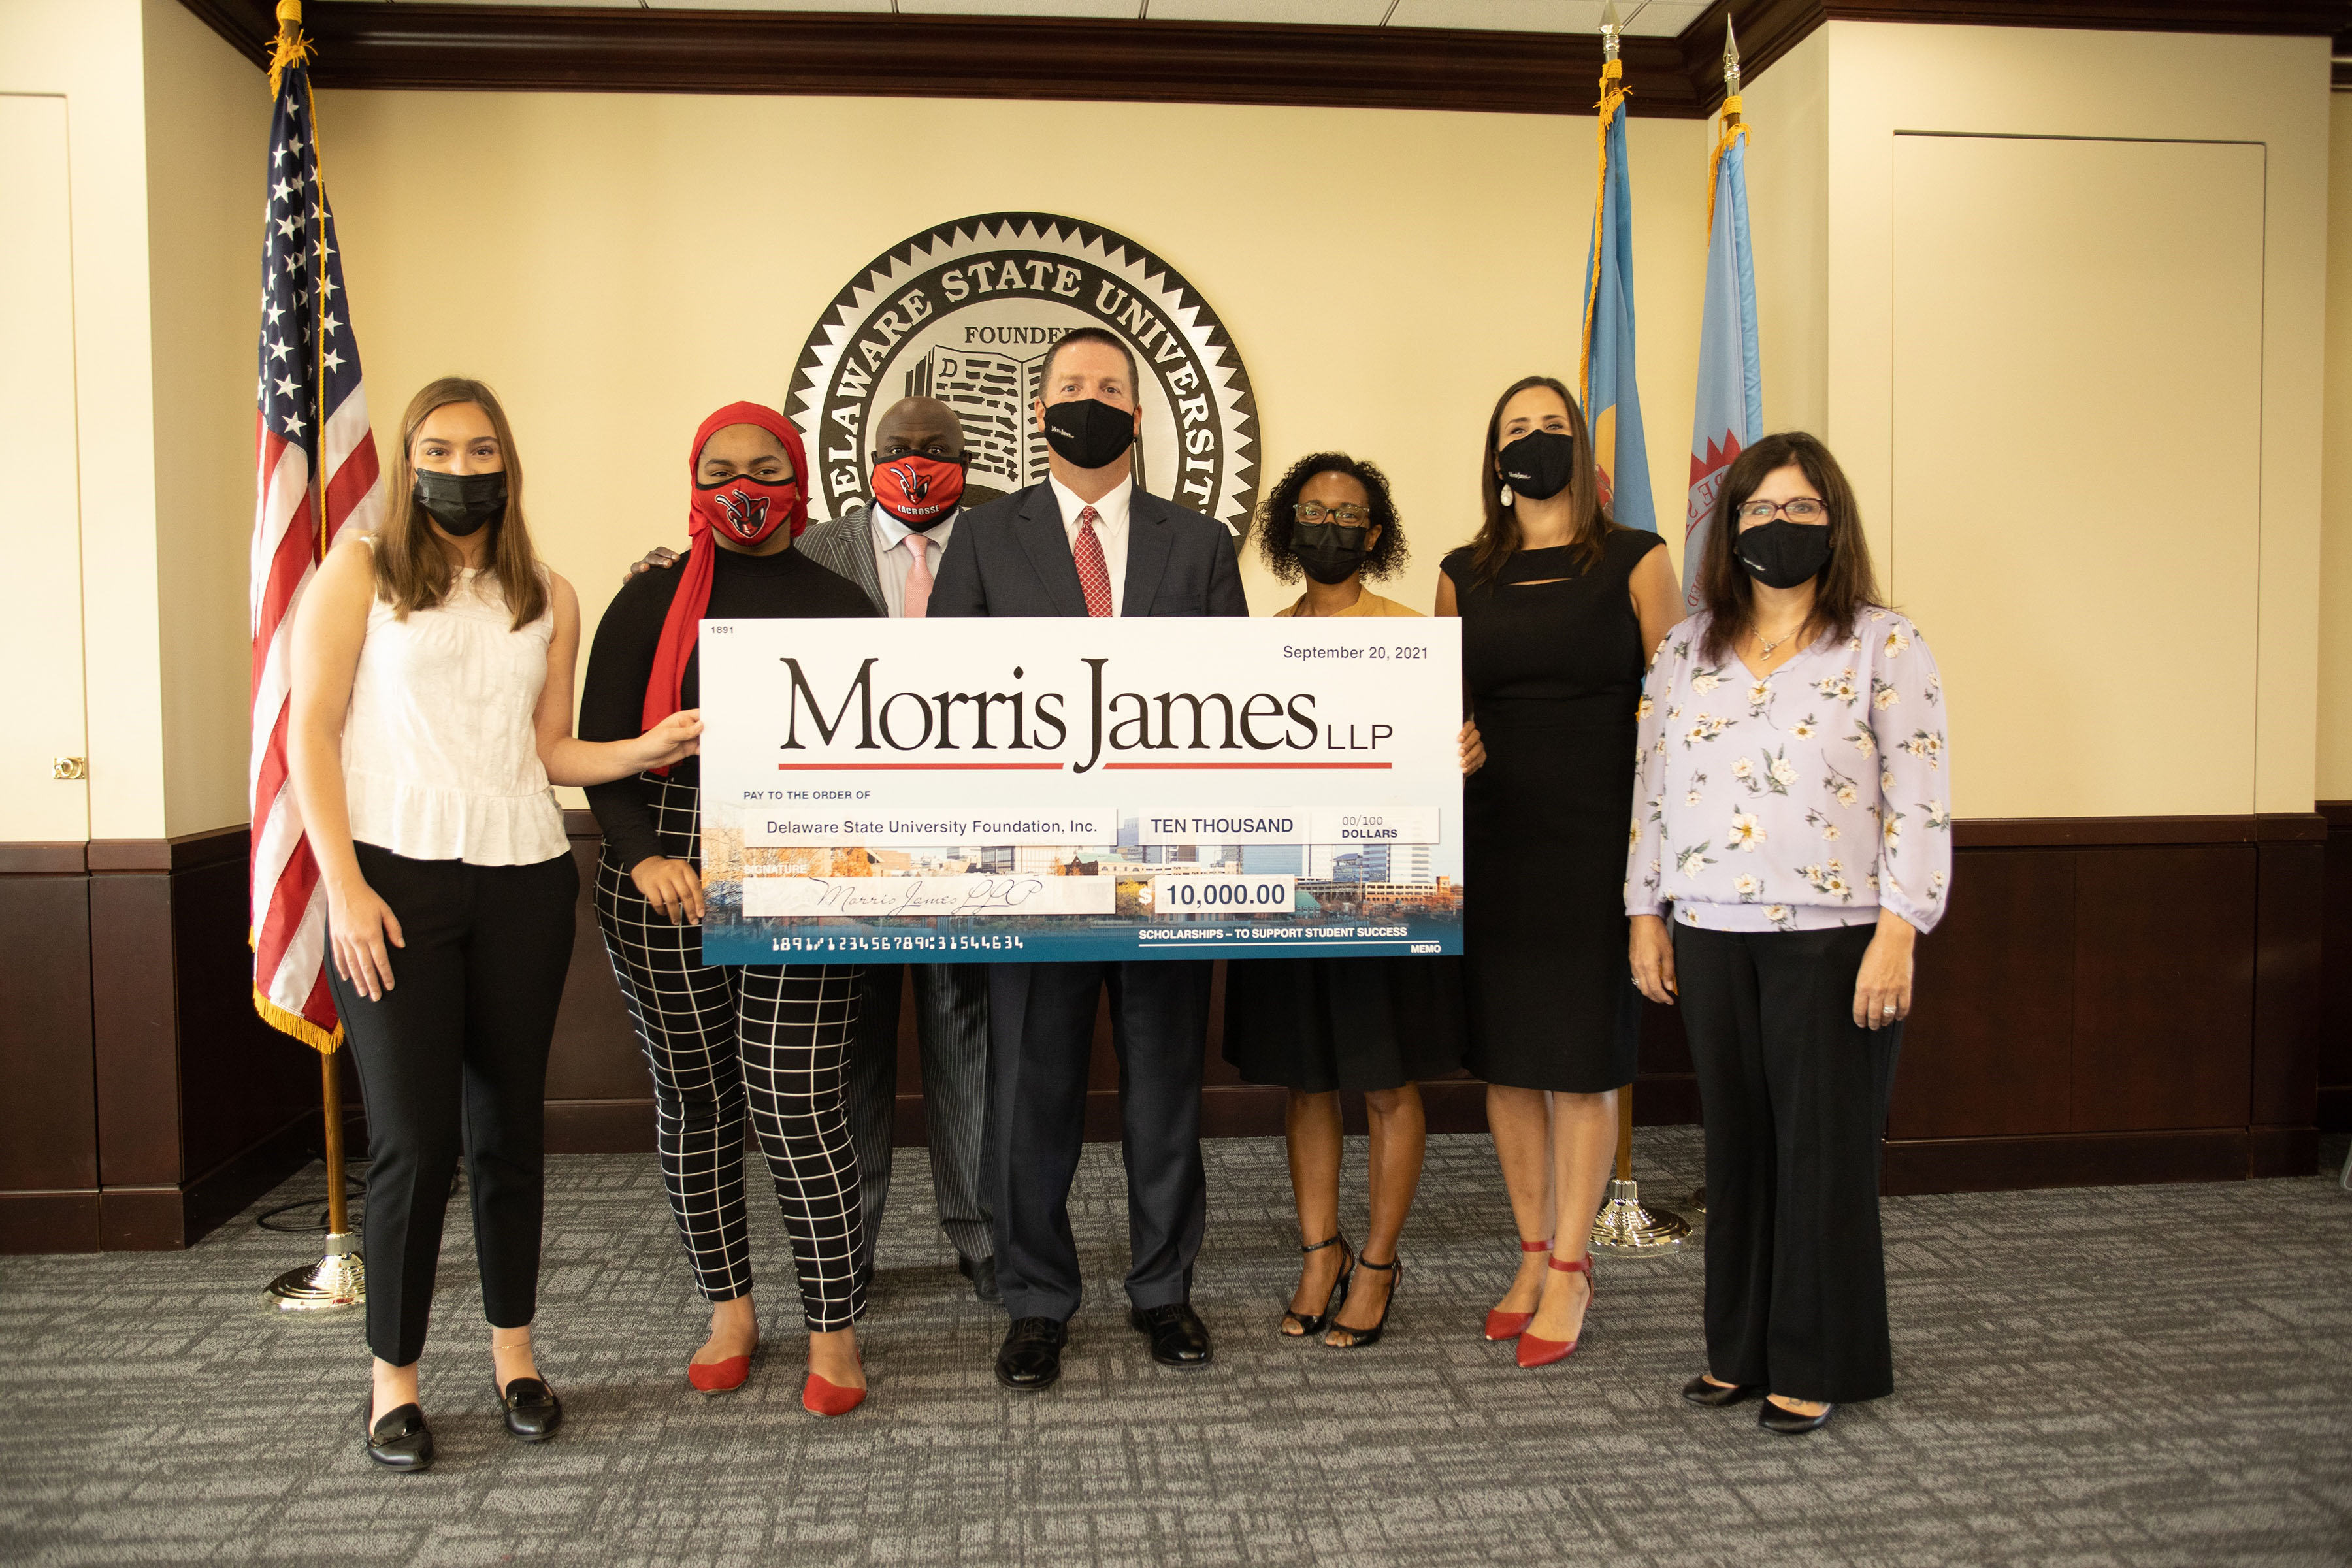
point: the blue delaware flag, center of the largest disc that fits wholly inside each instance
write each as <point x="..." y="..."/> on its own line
<point x="1612" y="403"/>
<point x="1730" y="410"/>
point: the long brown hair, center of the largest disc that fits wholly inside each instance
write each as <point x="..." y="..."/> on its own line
<point x="1498" y="535"/>
<point x="1845" y="588"/>
<point x="413" y="568"/>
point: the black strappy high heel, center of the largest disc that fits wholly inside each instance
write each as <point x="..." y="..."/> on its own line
<point x="1366" y="1338"/>
<point x="1309" y="1327"/>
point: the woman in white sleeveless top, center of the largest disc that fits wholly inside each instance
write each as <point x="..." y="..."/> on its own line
<point x="431" y="711"/>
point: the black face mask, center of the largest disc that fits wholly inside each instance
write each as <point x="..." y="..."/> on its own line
<point x="1329" y="551"/>
<point x="1782" y="554"/>
<point x="1089" y="433"/>
<point x="1539" y="464"/>
<point x="461" y="503"/>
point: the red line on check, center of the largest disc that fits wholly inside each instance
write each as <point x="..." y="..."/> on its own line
<point x="917" y="767"/>
<point x="1231" y="765"/>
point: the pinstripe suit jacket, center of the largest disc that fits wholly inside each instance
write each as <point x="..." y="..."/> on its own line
<point x="846" y="545"/>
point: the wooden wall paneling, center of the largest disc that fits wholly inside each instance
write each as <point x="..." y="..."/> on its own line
<point x="242" y="1084"/>
<point x="49" y="1112"/>
<point x="1989" y="1047"/>
<point x="2290" y="882"/>
<point x="600" y="1096"/>
<point x="2334" y="1109"/>
<point x="2164" y="987"/>
<point x="2065" y="1160"/>
<point x="134" y="1011"/>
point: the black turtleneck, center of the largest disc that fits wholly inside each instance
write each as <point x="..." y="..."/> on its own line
<point x="621" y="664"/>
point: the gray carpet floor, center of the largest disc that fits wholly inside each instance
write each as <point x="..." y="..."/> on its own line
<point x="2141" y="1376"/>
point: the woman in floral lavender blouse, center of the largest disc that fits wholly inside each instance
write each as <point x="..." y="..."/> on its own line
<point x="1793" y="811"/>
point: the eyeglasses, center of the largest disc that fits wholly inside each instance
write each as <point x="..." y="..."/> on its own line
<point x="1345" y="516"/>
<point x="1804" y="508"/>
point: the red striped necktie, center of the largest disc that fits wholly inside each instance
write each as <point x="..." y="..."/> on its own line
<point x="1094" y="572"/>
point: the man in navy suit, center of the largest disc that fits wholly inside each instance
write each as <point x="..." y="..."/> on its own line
<point x="1088" y="542"/>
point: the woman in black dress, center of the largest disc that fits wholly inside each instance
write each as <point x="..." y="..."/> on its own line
<point x="1318" y="1025"/>
<point x="1560" y="608"/>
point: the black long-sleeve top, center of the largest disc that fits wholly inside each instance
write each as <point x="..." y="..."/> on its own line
<point x="621" y="662"/>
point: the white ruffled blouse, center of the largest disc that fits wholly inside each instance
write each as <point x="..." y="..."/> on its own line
<point x="440" y="758"/>
<point x="1805" y="800"/>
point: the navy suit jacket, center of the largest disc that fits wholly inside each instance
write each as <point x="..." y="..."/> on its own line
<point x="1011" y="557"/>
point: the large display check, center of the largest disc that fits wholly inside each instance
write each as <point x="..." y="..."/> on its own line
<point x="1030" y="791"/>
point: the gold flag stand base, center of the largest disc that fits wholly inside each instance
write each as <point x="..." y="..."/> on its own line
<point x="1698" y="1202"/>
<point x="338" y="1281"/>
<point x="1624" y="1224"/>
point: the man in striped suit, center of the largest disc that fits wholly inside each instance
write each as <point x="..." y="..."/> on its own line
<point x="892" y="551"/>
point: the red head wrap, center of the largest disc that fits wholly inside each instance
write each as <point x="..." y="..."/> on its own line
<point x="695" y="573"/>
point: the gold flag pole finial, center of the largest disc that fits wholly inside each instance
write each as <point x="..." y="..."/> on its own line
<point x="1731" y="60"/>
<point x="290" y="48"/>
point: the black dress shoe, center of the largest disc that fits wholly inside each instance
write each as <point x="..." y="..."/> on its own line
<point x="401" y="1441"/>
<point x="1030" y="1359"/>
<point x="1788" y="1423"/>
<point x="1179" y="1338"/>
<point x="1698" y="1391"/>
<point x="533" y="1413"/>
<point x="981" y="1272"/>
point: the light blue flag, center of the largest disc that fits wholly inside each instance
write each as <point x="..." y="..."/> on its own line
<point x="1730" y="412"/>
<point x="1612" y="403"/>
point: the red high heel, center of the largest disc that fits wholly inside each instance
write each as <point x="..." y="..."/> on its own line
<point x="825" y="1399"/>
<point x="1536" y="1351"/>
<point x="720" y="1376"/>
<point x="1502" y="1325"/>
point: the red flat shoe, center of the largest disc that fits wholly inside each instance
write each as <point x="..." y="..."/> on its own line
<point x="827" y="1399"/>
<point x="1536" y="1351"/>
<point x="720" y="1376"/>
<point x="1502" y="1325"/>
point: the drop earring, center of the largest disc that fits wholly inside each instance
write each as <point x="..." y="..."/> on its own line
<point x="1506" y="492"/>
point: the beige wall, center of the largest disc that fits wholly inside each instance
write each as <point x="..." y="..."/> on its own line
<point x="1788" y="112"/>
<point x="2335" y="551"/>
<point x="1888" y="83"/>
<point x="208" y="121"/>
<point x="618" y="266"/>
<point x="88" y="52"/>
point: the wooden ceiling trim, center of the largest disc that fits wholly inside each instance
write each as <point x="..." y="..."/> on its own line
<point x="589" y="50"/>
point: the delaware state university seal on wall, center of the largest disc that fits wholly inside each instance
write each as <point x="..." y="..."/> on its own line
<point x="964" y="312"/>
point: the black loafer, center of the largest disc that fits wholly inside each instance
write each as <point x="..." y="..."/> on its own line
<point x="1179" y="1338"/>
<point x="981" y="1272"/>
<point x="1698" y="1391"/>
<point x="1788" y="1423"/>
<point x="533" y="1413"/>
<point x="1030" y="1359"/>
<point x="401" y="1441"/>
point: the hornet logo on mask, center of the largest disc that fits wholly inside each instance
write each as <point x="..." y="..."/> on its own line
<point x="966" y="313"/>
<point x="747" y="515"/>
<point x="915" y="486"/>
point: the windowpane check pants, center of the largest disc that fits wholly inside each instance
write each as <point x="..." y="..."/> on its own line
<point x="766" y="1043"/>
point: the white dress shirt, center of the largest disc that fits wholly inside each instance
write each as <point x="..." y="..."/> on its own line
<point x="894" y="557"/>
<point x="1111" y="531"/>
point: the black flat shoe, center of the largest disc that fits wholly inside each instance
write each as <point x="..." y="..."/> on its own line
<point x="1364" y="1339"/>
<point x="1788" y="1423"/>
<point x="1030" y="1359"/>
<point x="401" y="1441"/>
<point x="533" y="1413"/>
<point x="1179" y="1338"/>
<point x="1717" y="1395"/>
<point x="981" y="1272"/>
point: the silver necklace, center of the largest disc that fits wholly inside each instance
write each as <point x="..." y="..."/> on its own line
<point x="1764" y="649"/>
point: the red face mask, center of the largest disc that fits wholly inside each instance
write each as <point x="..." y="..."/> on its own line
<point x="746" y="510"/>
<point x="917" y="491"/>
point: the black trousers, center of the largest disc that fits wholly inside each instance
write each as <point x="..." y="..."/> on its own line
<point x="1795" y="1096"/>
<point x="1041" y="1027"/>
<point x="454" y="1056"/>
<point x="951" y="1028"/>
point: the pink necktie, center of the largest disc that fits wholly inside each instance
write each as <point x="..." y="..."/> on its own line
<point x="1094" y="572"/>
<point x="919" y="579"/>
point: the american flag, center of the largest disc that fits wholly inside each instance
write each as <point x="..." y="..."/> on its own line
<point x="311" y="421"/>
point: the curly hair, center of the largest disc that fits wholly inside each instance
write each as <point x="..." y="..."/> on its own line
<point x="1279" y="511"/>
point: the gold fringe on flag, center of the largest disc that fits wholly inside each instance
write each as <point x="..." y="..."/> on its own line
<point x="1613" y="92"/>
<point x="1733" y="130"/>
<point x="292" y="48"/>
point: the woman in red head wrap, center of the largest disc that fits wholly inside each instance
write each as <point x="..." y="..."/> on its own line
<point x="769" y="1041"/>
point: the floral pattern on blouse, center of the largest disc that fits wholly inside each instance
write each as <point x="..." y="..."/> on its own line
<point x="1805" y="800"/>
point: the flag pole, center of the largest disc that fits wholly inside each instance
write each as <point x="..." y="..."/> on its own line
<point x="1623" y="1224"/>
<point x="337" y="1282"/>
